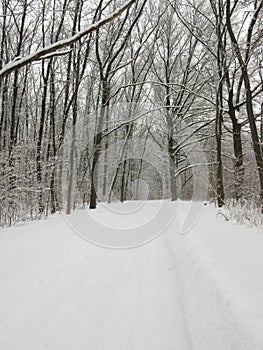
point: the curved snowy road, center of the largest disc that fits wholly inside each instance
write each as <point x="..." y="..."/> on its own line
<point x="90" y="298"/>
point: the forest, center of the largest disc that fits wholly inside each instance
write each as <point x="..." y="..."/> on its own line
<point x="140" y="100"/>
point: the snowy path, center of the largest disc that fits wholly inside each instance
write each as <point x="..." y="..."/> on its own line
<point x="99" y="299"/>
<point x="58" y="291"/>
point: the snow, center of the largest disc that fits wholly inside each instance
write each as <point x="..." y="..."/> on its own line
<point x="198" y="285"/>
<point x="221" y="262"/>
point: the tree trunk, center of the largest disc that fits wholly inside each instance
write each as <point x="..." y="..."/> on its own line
<point x="172" y="170"/>
<point x="238" y="152"/>
<point x="97" y="144"/>
<point x="219" y="173"/>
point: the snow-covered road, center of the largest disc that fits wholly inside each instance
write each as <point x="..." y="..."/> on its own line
<point x="97" y="299"/>
<point x="58" y="291"/>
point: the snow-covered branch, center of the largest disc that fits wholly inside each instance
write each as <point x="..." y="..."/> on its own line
<point x="48" y="50"/>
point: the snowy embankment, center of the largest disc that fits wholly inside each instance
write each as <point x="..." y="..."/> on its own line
<point x="199" y="290"/>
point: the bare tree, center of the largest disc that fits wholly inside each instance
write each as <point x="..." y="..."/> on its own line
<point x="178" y="69"/>
<point x="244" y="64"/>
<point x="109" y="65"/>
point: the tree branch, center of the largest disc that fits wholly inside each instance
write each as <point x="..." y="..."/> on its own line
<point x="21" y="62"/>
